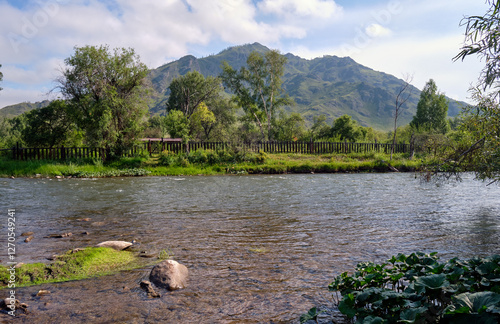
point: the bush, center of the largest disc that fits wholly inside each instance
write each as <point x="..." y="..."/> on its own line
<point x="167" y="158"/>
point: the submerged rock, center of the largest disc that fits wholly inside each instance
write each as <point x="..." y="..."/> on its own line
<point x="42" y="293"/>
<point x="169" y="274"/>
<point x="28" y="239"/>
<point x="11" y="304"/>
<point x="148" y="287"/>
<point x="27" y="234"/>
<point x="117" y="245"/>
<point x="59" y="235"/>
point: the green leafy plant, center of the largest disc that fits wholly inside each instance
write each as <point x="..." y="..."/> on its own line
<point x="417" y="288"/>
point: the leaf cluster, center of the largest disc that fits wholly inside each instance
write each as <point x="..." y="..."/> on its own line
<point x="417" y="288"/>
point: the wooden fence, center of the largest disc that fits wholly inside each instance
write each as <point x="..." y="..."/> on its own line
<point x="63" y="153"/>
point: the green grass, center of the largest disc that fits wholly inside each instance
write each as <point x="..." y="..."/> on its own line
<point x="89" y="262"/>
<point x="221" y="163"/>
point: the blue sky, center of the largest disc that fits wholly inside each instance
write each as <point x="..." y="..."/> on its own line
<point x="393" y="36"/>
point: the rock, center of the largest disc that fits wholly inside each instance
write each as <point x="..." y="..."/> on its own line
<point x="27" y="234"/>
<point x="77" y="250"/>
<point x="42" y="293"/>
<point x="59" y="235"/>
<point x="117" y="245"/>
<point x="85" y="233"/>
<point x="169" y="274"/>
<point x="144" y="254"/>
<point x="84" y="219"/>
<point x="11" y="304"/>
<point x="28" y="239"/>
<point x="19" y="264"/>
<point x="146" y="285"/>
<point x="98" y="224"/>
<point x="59" y="177"/>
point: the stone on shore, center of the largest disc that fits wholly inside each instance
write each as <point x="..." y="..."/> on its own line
<point x="117" y="245"/>
<point x="169" y="274"/>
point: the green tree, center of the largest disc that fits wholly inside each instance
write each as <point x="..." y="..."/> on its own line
<point x="49" y="126"/>
<point x="257" y="88"/>
<point x="1" y="77"/>
<point x="107" y="95"/>
<point x="348" y="129"/>
<point x="288" y="127"/>
<point x="319" y="129"/>
<point x="225" y="118"/>
<point x="177" y="125"/>
<point x="189" y="91"/>
<point x="432" y="110"/>
<point x="202" y="122"/>
<point x="156" y="127"/>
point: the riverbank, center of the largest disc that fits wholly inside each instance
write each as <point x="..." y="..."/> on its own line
<point x="202" y="164"/>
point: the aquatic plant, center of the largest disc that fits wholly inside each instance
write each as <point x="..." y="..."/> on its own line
<point x="417" y="288"/>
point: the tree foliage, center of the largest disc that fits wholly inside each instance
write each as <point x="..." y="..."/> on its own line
<point x="177" y="125"/>
<point x="202" y="121"/>
<point x="257" y="88"/>
<point x="432" y="110"/>
<point x="478" y="147"/>
<point x="107" y="95"/>
<point x="1" y="77"/>
<point x="348" y="129"/>
<point x="288" y="127"/>
<point x="482" y="38"/>
<point x="49" y="126"/>
<point x="187" y="92"/>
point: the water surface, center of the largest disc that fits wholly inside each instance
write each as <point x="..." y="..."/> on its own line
<point x="259" y="248"/>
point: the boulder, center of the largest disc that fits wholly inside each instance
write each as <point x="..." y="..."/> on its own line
<point x="169" y="274"/>
<point x="117" y="245"/>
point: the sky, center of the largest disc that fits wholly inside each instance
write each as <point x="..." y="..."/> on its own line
<point x="398" y="37"/>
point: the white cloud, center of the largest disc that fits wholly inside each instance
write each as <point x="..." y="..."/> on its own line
<point x="375" y="30"/>
<point x="311" y="8"/>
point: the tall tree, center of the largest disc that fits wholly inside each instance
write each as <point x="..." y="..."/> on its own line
<point x="432" y="110"/>
<point x="402" y="97"/>
<point x="257" y="88"/>
<point x="107" y="94"/>
<point x="187" y="92"/>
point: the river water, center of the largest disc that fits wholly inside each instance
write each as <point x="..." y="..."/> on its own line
<point x="258" y="248"/>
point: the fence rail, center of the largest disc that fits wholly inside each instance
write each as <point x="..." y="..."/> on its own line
<point x="63" y="153"/>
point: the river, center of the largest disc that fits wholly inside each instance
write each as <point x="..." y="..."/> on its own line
<point x="258" y="248"/>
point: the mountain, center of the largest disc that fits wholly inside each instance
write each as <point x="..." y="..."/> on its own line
<point x="18" y="109"/>
<point x="330" y="86"/>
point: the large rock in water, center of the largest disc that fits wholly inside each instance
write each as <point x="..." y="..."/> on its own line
<point x="169" y="274"/>
<point x="117" y="245"/>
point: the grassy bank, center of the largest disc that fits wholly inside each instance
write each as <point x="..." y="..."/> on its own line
<point x="73" y="265"/>
<point x="211" y="163"/>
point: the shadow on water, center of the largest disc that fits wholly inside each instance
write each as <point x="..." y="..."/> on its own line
<point x="258" y="248"/>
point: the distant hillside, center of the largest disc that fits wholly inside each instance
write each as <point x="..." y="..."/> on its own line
<point x="329" y="85"/>
<point x="18" y="109"/>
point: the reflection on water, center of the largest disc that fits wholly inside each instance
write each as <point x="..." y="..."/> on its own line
<point x="259" y="248"/>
